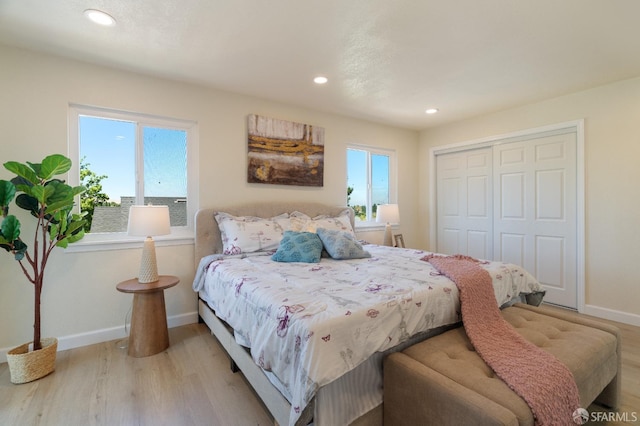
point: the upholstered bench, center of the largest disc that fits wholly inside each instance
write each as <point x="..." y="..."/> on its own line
<point x="443" y="381"/>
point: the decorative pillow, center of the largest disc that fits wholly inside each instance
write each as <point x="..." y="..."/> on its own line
<point x="247" y="234"/>
<point x="341" y="245"/>
<point x="300" y="222"/>
<point x="299" y="247"/>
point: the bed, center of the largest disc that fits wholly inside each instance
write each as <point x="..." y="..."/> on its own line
<point x="310" y="337"/>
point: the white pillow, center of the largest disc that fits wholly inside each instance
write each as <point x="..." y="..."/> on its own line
<point x="300" y="222"/>
<point x="248" y="234"/>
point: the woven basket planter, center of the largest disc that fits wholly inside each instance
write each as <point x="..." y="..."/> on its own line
<point x="26" y="366"/>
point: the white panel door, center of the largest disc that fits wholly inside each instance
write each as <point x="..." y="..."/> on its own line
<point x="464" y="212"/>
<point x="535" y="211"/>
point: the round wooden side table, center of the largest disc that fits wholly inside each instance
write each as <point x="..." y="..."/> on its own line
<point x="149" y="334"/>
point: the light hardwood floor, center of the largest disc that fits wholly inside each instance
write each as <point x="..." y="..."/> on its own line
<point x="188" y="384"/>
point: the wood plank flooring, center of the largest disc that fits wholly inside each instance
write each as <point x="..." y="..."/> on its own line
<point x="188" y="384"/>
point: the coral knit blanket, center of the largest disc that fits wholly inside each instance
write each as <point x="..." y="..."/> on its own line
<point x="538" y="377"/>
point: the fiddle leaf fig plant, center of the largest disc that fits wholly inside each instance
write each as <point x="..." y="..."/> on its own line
<point x="50" y="201"/>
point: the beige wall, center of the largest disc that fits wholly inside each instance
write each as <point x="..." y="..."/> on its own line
<point x="611" y="115"/>
<point x="79" y="296"/>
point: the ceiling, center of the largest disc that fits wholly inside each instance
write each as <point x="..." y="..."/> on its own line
<point x="387" y="61"/>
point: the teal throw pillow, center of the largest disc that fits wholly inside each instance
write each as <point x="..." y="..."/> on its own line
<point x="341" y="245"/>
<point x="298" y="247"/>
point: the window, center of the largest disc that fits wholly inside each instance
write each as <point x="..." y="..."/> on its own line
<point x="127" y="159"/>
<point x="370" y="181"/>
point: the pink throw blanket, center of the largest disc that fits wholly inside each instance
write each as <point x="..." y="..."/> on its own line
<point x="538" y="377"/>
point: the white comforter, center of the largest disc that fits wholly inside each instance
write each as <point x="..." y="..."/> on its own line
<point x="311" y="323"/>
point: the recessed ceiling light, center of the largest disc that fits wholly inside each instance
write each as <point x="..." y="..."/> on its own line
<point x="432" y="110"/>
<point x="99" y="17"/>
<point x="320" y="80"/>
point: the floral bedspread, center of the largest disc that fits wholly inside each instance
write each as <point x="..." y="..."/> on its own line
<point x="311" y="323"/>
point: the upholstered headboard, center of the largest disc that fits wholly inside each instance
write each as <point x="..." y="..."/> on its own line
<point x="208" y="235"/>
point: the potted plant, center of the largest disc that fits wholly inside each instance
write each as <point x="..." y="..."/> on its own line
<point x="50" y="201"/>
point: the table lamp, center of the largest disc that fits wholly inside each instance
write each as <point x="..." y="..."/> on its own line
<point x="388" y="213"/>
<point x="148" y="221"/>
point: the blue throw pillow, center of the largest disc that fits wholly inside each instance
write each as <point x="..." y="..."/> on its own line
<point x="341" y="245"/>
<point x="298" y="247"/>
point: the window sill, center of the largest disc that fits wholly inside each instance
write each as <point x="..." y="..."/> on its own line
<point x="372" y="226"/>
<point x="122" y="241"/>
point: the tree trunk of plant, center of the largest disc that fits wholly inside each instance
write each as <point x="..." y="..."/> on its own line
<point x="37" y="344"/>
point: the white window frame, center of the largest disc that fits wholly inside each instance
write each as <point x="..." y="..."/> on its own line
<point x="393" y="179"/>
<point x="120" y="240"/>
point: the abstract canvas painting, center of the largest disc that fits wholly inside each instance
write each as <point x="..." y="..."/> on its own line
<point x="285" y="153"/>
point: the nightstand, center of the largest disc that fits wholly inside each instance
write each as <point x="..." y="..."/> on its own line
<point x="149" y="334"/>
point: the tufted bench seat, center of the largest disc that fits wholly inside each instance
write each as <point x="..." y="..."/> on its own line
<point x="443" y="381"/>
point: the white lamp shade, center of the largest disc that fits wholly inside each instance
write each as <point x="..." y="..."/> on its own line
<point x="388" y="213"/>
<point x="149" y="221"/>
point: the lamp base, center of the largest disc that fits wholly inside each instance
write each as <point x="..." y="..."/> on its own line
<point x="387" y="236"/>
<point x="148" y="264"/>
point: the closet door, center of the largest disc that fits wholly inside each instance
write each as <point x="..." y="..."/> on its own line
<point x="535" y="222"/>
<point x="464" y="203"/>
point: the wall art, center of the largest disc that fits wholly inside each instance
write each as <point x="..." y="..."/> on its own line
<point x="284" y="153"/>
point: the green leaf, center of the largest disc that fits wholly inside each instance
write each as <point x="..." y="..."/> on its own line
<point x="59" y="191"/>
<point x="77" y="190"/>
<point x="22" y="170"/>
<point x="10" y="237"/>
<point x="53" y="231"/>
<point x="59" y="206"/>
<point x="61" y="217"/>
<point x="24" y="187"/>
<point x="7" y="192"/>
<point x="71" y="239"/>
<point x="19" y="180"/>
<point x="28" y="203"/>
<point x="19" y="249"/>
<point x="77" y="236"/>
<point x="40" y="193"/>
<point x="35" y="167"/>
<point x="73" y="226"/>
<point x="60" y="198"/>
<point x="10" y="228"/>
<point x="53" y="165"/>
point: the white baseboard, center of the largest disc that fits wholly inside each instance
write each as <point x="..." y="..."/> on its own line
<point x="182" y="319"/>
<point x="610" y="314"/>
<point x="107" y="334"/>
